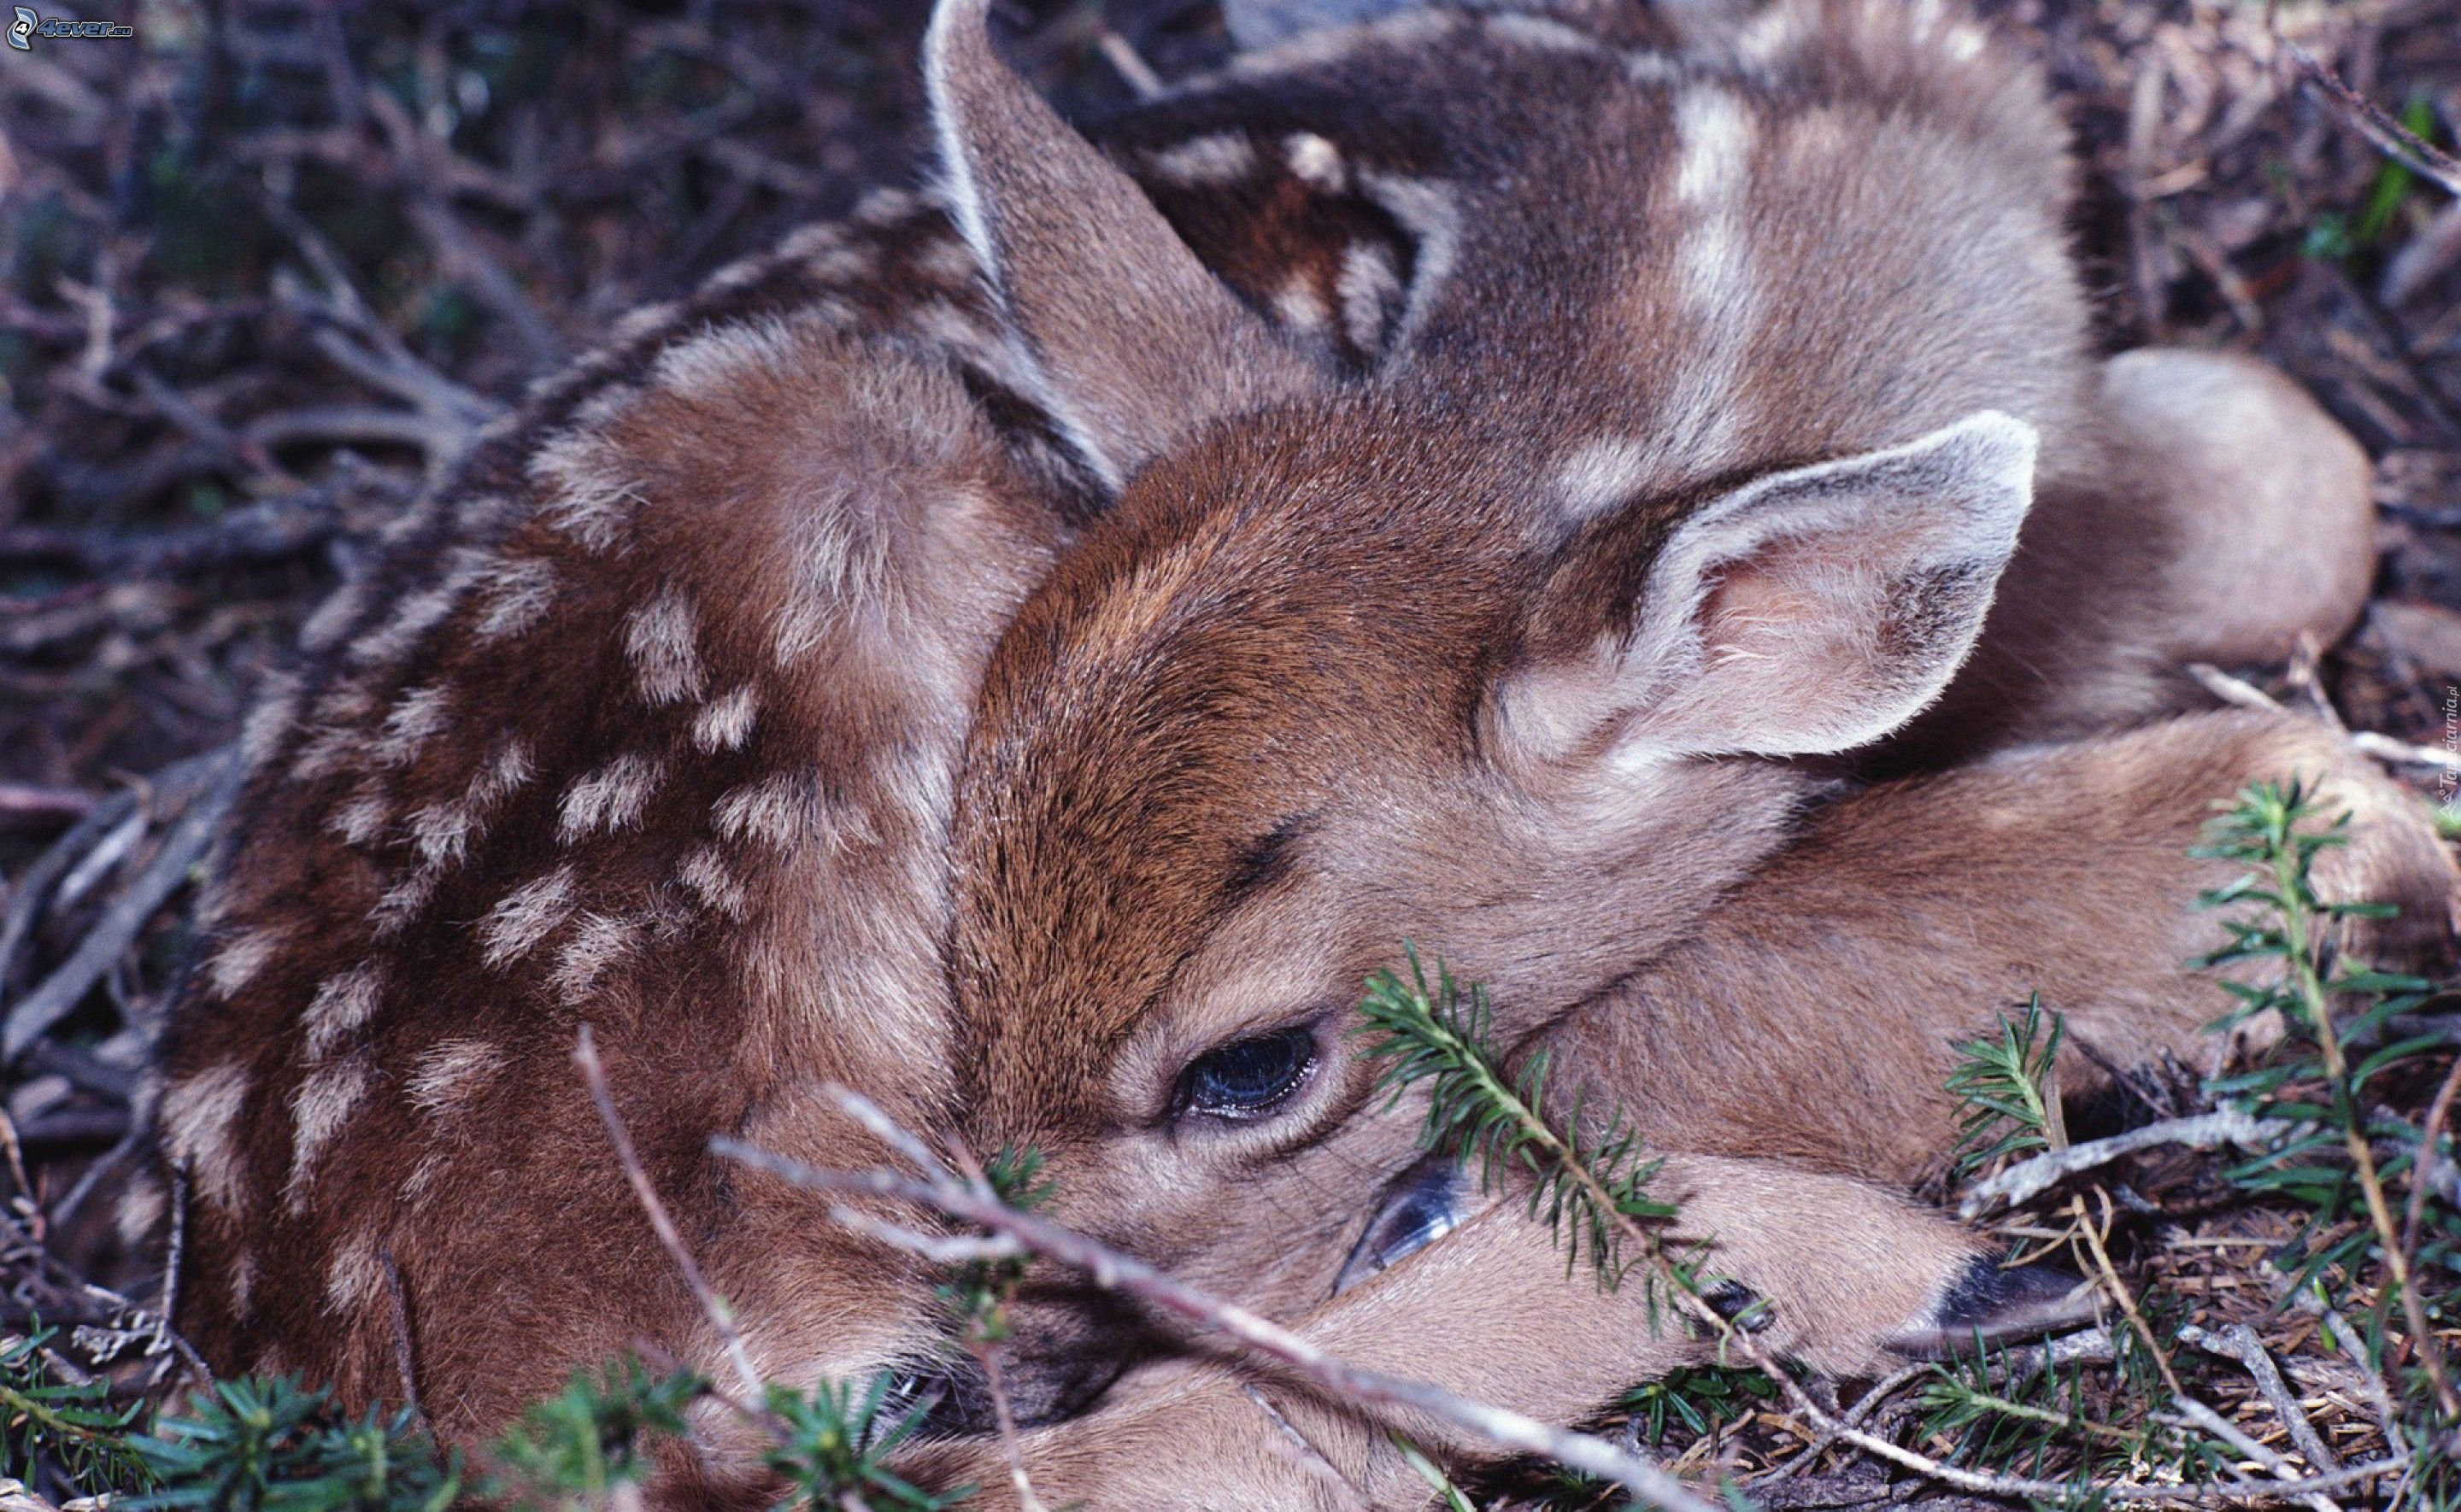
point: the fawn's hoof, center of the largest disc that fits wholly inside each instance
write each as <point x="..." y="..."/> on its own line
<point x="1993" y="1304"/>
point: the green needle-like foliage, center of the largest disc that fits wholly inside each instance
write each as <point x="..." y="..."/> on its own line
<point x="2004" y="1086"/>
<point x="1592" y="1190"/>
<point x="72" y="1423"/>
<point x="577" y="1446"/>
<point x="833" y="1449"/>
<point x="1698" y="1398"/>
<point x="254" y="1444"/>
<point x="2345" y="1042"/>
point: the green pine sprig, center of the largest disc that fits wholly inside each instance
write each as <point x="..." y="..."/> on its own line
<point x="2008" y="1091"/>
<point x="268" y="1445"/>
<point x="72" y="1423"/>
<point x="1592" y="1190"/>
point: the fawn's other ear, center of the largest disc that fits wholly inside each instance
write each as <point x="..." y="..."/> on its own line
<point x="1805" y="613"/>
<point x="1135" y="340"/>
<point x="1262" y="22"/>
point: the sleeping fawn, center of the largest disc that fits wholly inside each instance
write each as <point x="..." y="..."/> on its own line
<point x="1030" y="650"/>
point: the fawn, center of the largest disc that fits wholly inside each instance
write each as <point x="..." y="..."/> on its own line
<point x="1715" y="425"/>
<point x="1912" y="914"/>
<point x="659" y="718"/>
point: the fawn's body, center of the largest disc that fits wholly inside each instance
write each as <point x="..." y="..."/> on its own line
<point x="655" y="720"/>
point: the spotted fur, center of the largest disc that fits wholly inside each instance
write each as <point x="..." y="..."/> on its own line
<point x="651" y="720"/>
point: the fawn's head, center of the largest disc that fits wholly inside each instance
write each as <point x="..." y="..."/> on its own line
<point x="1357" y="662"/>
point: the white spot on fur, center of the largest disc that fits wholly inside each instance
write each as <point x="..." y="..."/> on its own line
<point x="514" y="593"/>
<point x="638" y="323"/>
<point x="422" y="1177"/>
<point x="1537" y="32"/>
<point x="1432" y="216"/>
<point x="1599" y="475"/>
<point x="784" y="810"/>
<point x="1369" y="287"/>
<point x="1315" y="161"/>
<point x="527" y="915"/>
<point x="344" y="1004"/>
<point x="1712" y="273"/>
<point x="847" y="262"/>
<point x="324" y="628"/>
<point x="591" y="493"/>
<point x="597" y="942"/>
<point x="1652" y="69"/>
<point x="723" y="356"/>
<point x="1716" y="138"/>
<point x="659" y="637"/>
<point x="704" y="873"/>
<point x="356" y="1277"/>
<point x="360" y="819"/>
<point x="420" y="716"/>
<point x="237" y="962"/>
<point x="418" y="613"/>
<point x="444" y="831"/>
<point x="1221" y="158"/>
<point x="442" y="1078"/>
<point x="609" y="799"/>
<point x="946" y="261"/>
<point x="1301" y="307"/>
<point x="1772" y="33"/>
<point x="275" y="712"/>
<point x="726" y="724"/>
<point x="336" y="739"/>
<point x="403" y="902"/>
<point x="200" y="1117"/>
<point x="140" y="1210"/>
<point x="319" y="1110"/>
<point x="886" y="206"/>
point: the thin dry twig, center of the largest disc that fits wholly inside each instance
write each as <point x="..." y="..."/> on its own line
<point x="2188" y="1412"/>
<point x="2030" y="1178"/>
<point x="2093" y="1236"/>
<point x="2246" y="694"/>
<point x="1113" y="1271"/>
<point x="721" y="1317"/>
<point x="2238" y="1342"/>
<point x="2372" y="122"/>
<point x="63" y="990"/>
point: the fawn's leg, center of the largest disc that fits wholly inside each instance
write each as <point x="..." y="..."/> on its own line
<point x="2270" y="502"/>
<point x="1814" y="1018"/>
<point x="1843" y="1267"/>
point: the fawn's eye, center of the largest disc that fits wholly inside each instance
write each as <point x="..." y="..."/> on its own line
<point x="1247" y="1078"/>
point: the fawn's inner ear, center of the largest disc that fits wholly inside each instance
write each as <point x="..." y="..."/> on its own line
<point x="1135" y="341"/>
<point x="1809" y="611"/>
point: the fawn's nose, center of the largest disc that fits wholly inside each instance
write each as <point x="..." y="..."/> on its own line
<point x="1066" y="1344"/>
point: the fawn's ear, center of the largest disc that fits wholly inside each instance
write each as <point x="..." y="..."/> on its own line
<point x="1262" y="22"/>
<point x="1805" y="613"/>
<point x="1135" y="340"/>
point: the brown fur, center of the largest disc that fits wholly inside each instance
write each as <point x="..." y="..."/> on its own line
<point x="1914" y="916"/>
<point x="652" y="719"/>
<point x="1409" y="641"/>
